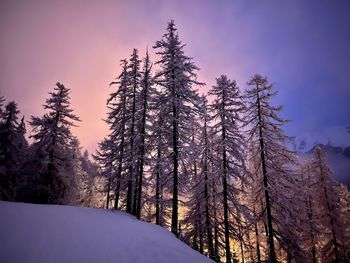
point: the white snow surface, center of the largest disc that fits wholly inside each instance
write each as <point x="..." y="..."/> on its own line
<point x="53" y="233"/>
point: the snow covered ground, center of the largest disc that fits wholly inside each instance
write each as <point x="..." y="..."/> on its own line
<point x="50" y="233"/>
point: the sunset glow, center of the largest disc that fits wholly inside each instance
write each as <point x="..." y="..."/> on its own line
<point x="302" y="47"/>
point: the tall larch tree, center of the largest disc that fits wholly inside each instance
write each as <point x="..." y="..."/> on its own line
<point x="117" y="119"/>
<point x="132" y="152"/>
<point x="176" y="77"/>
<point x="276" y="180"/>
<point x="226" y="108"/>
<point x="146" y="88"/>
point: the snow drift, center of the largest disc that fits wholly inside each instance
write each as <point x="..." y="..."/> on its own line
<point x="52" y="233"/>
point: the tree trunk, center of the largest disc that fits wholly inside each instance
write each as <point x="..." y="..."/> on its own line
<point x="225" y="194"/>
<point x="265" y="179"/>
<point x="142" y="145"/>
<point x="310" y="218"/>
<point x="201" y="242"/>
<point x="225" y="191"/>
<point x="257" y="241"/>
<point x="121" y="156"/>
<point x="129" y="201"/>
<point x="158" y="190"/>
<point x="174" y="217"/>
<point x="216" y="231"/>
<point x="108" y="189"/>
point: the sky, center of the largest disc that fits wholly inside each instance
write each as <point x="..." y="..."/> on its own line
<point x="303" y="47"/>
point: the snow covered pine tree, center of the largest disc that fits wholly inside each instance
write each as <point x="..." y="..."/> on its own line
<point x="176" y="78"/>
<point x="278" y="189"/>
<point x="227" y="106"/>
<point x="52" y="139"/>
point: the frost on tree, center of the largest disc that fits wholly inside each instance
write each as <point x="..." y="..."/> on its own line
<point x="160" y="163"/>
<point x="327" y="209"/>
<point x="131" y="154"/>
<point x="201" y="214"/>
<point x="176" y="78"/>
<point x="52" y="143"/>
<point x="114" y="146"/>
<point x="105" y="157"/>
<point x="143" y="123"/>
<point x="227" y="108"/>
<point x="276" y="180"/>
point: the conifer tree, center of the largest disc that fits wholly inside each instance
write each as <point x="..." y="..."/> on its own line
<point x="200" y="207"/>
<point x="226" y="109"/>
<point x="207" y="178"/>
<point x="160" y="162"/>
<point x="313" y="230"/>
<point x="276" y="178"/>
<point x="118" y="120"/>
<point x="146" y="85"/>
<point x="12" y="150"/>
<point x="52" y="137"/>
<point x="176" y="78"/>
<point x="332" y="221"/>
<point x="132" y="152"/>
<point x="105" y="157"/>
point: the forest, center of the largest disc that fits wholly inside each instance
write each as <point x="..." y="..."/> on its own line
<point x="215" y="169"/>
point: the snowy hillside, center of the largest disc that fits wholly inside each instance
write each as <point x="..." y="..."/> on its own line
<point x="51" y="233"/>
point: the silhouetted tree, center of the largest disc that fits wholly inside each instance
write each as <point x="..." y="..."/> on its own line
<point x="13" y="147"/>
<point x="52" y="140"/>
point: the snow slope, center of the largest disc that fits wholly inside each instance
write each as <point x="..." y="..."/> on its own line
<point x="51" y="233"/>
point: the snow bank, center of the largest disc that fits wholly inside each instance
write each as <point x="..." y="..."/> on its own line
<point x="51" y="233"/>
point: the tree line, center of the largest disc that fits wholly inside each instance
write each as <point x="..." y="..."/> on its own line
<point x="52" y="169"/>
<point x="215" y="169"/>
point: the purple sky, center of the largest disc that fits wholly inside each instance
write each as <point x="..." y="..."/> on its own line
<point x="301" y="46"/>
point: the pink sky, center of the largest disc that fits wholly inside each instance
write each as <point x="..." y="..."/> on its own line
<point x="80" y="43"/>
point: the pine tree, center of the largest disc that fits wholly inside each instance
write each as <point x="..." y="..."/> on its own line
<point x="146" y="85"/>
<point x="195" y="216"/>
<point x="132" y="153"/>
<point x="160" y="162"/>
<point x="311" y="245"/>
<point x="105" y="157"/>
<point x="118" y="120"/>
<point x="200" y="213"/>
<point x="207" y="178"/>
<point x="226" y="109"/>
<point x="176" y="78"/>
<point x="331" y="220"/>
<point x="52" y="137"/>
<point x="12" y="150"/>
<point x="277" y="187"/>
